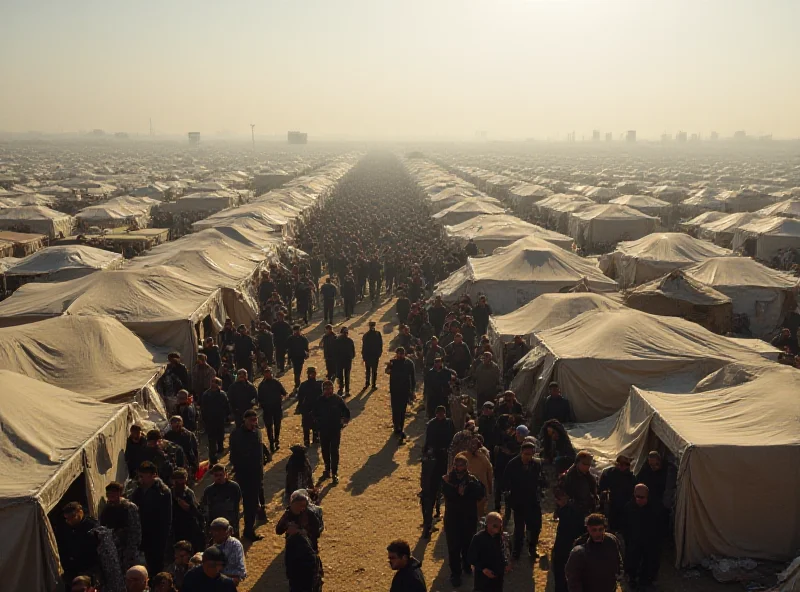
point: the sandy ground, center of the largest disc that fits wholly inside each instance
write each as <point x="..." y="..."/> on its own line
<point x="375" y="500"/>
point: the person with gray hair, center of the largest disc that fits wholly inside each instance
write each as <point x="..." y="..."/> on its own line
<point x="136" y="579"/>
<point x="235" y="567"/>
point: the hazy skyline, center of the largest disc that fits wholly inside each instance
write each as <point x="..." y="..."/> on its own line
<point x="400" y="69"/>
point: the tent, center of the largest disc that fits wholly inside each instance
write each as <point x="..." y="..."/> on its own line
<point x="636" y="262"/>
<point x="542" y="313"/>
<point x="601" y="194"/>
<point x="767" y="237"/>
<point x="37" y="220"/>
<point x="95" y="356"/>
<point x="598" y="355"/>
<point x="454" y="195"/>
<point x="118" y="212"/>
<point x="50" y="437"/>
<point x="607" y="224"/>
<point x="199" y="202"/>
<point x="492" y="231"/>
<point x="675" y="295"/>
<point x="706" y="199"/>
<point x="645" y="204"/>
<point x="764" y="295"/>
<point x="722" y="231"/>
<point x="747" y="427"/>
<point x="466" y="210"/>
<point x="515" y="275"/>
<point x="162" y="305"/>
<point x="745" y="200"/>
<point x="554" y="211"/>
<point x="524" y="195"/>
<point x="691" y="226"/>
<point x="673" y="195"/>
<point x="788" y="209"/>
<point x="261" y="212"/>
<point x="63" y="262"/>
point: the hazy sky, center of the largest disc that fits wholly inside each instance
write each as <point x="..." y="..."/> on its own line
<point x="401" y="68"/>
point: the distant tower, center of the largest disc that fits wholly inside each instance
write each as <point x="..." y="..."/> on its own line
<point x="609" y="137"/>
<point x="595" y="135"/>
<point x="151" y="127"/>
<point x="630" y="136"/>
<point x="253" y="133"/>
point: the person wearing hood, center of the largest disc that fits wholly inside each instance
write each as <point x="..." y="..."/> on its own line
<point x="408" y="575"/>
<point x="487" y="555"/>
<point x="298" y="472"/>
<point x="557" y="447"/>
<point x="154" y="500"/>
<point x="580" y="484"/>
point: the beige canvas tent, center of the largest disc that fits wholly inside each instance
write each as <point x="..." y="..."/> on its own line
<point x="467" y="209"/>
<point x="675" y="295"/>
<point x="38" y="220"/>
<point x="750" y="427"/>
<point x="636" y="262"/>
<point x="598" y="355"/>
<point x="646" y="204"/>
<point x="766" y="238"/>
<point x="60" y="263"/>
<point x="607" y="224"/>
<point x="764" y="295"/>
<point x="50" y="437"/>
<point x="722" y="231"/>
<point x="788" y="209"/>
<point x="691" y="226"/>
<point x="493" y="231"/>
<point x="515" y="275"/>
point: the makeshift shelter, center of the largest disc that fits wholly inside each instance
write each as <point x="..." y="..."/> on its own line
<point x="749" y="426"/>
<point x="492" y="231"/>
<point x="701" y="202"/>
<point x="515" y="275"/>
<point x="199" y="202"/>
<point x="454" y="195"/>
<point x="50" y="439"/>
<point x="762" y="294"/>
<point x="38" y="220"/>
<point x="162" y="305"/>
<point x="523" y="196"/>
<point x="673" y="195"/>
<point x="636" y="262"/>
<point x="601" y="194"/>
<point x="646" y="204"/>
<point x="466" y="210"/>
<point x="61" y="263"/>
<point x="761" y="347"/>
<point x="722" y="231"/>
<point x="604" y="225"/>
<point x="675" y="295"/>
<point x="261" y="212"/>
<point x="554" y="211"/>
<point x="745" y="200"/>
<point x="598" y="355"/>
<point x="118" y="212"/>
<point x="691" y="226"/>
<point x="23" y="243"/>
<point x="768" y="237"/>
<point x="788" y="209"/>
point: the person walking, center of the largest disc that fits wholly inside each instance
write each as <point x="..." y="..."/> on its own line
<point x="216" y="409"/>
<point x="297" y="350"/>
<point x="522" y="480"/>
<point x="345" y="352"/>
<point x="328" y="292"/>
<point x="154" y="500"/>
<point x="402" y="382"/>
<point x="488" y="556"/>
<point x="330" y="416"/>
<point x="247" y="457"/>
<point x="408" y="576"/>
<point x="281" y="331"/>
<point x="371" y="352"/>
<point x="242" y="395"/>
<point x="308" y="394"/>
<point x="271" y="394"/>
<point x="328" y="344"/>
<point x="595" y="561"/>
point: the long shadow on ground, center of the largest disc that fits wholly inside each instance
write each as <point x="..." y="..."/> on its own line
<point x="378" y="466"/>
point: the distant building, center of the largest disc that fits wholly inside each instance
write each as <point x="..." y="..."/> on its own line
<point x="595" y="135"/>
<point x="694" y="138"/>
<point x="194" y="138"/>
<point x="714" y="136"/>
<point x="630" y="136"/>
<point x="121" y="135"/>
<point x="297" y="138"/>
<point x="681" y="137"/>
<point x="98" y="133"/>
<point x="609" y="137"/>
<point x="740" y="135"/>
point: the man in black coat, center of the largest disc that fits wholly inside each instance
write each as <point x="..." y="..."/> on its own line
<point x="462" y="491"/>
<point x="244" y="350"/>
<point x="221" y="499"/>
<point x="522" y="480"/>
<point x="436" y="386"/>
<point x="436" y="314"/>
<point x="177" y="434"/>
<point x="247" y="458"/>
<point x="242" y="395"/>
<point x="135" y="450"/>
<point x="402" y="382"/>
<point x="480" y="314"/>
<point x="77" y="546"/>
<point x="556" y="406"/>
<point x="345" y="351"/>
<point x="308" y="394"/>
<point x="330" y="416"/>
<point x="281" y="331"/>
<point x="265" y="344"/>
<point x="616" y="490"/>
<point x="154" y="500"/>
<point x="302" y="295"/>
<point x="297" y="350"/>
<point x="643" y="536"/>
<point x="328" y="344"/>
<point x="570" y="527"/>
<point x="216" y="410"/>
<point x="271" y="394"/>
<point x="408" y="575"/>
<point x="328" y="293"/>
<point x="371" y="352"/>
<point x="487" y="557"/>
<point x="349" y="296"/>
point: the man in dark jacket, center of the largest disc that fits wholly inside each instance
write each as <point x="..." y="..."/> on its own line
<point x="247" y="457"/>
<point x="302" y="295"/>
<point x="371" y="352"/>
<point x="244" y="350"/>
<point x="345" y="351"/>
<point x="265" y="344"/>
<point x="487" y="556"/>
<point x="154" y="500"/>
<point x="462" y="492"/>
<point x="402" y="382"/>
<point x="281" y="331"/>
<point x="403" y="307"/>
<point x="297" y="350"/>
<point x="77" y="546"/>
<point x="642" y="538"/>
<point x="436" y="386"/>
<point x="271" y="394"/>
<point x="556" y="406"/>
<point x="616" y="490"/>
<point x="221" y="499"/>
<point x="480" y="314"/>
<point x="166" y="456"/>
<point x="570" y="527"/>
<point x="308" y="394"/>
<point x="436" y="314"/>
<point x="349" y="296"/>
<point x="242" y="395"/>
<point x="408" y="575"/>
<point x="177" y="434"/>
<point x="595" y="561"/>
<point x="522" y="480"/>
<point x="134" y="450"/>
<point x="212" y="353"/>
<point x="328" y="293"/>
<point x="580" y="484"/>
<point x="458" y="355"/>
<point x="216" y="410"/>
<point x="330" y="416"/>
<point x="328" y="344"/>
<point x="187" y="521"/>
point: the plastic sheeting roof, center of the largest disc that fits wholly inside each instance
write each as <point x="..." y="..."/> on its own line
<point x="721" y="272"/>
<point x="502" y="230"/>
<point x="65" y="257"/>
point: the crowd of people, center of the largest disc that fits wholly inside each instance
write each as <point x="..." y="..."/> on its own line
<point x="481" y="458"/>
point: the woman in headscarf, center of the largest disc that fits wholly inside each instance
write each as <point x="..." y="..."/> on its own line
<point x="298" y="472"/>
<point x="302" y="528"/>
<point x="557" y="448"/>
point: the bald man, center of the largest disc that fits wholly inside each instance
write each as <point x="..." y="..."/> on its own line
<point x="136" y="579"/>
<point x="642" y="538"/>
<point x="487" y="557"/>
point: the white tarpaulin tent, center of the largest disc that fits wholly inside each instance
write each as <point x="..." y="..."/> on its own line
<point x="788" y="209"/>
<point x="515" y="275"/>
<point x="692" y="225"/>
<point x="597" y="356"/>
<point x="722" y="231"/>
<point x="745" y="200"/>
<point x="636" y="262"/>
<point x="761" y="293"/>
<point x="765" y="238"/>
<point x="491" y="232"/>
<point x="747" y="429"/>
<point x="606" y="224"/>
<point x="38" y="220"/>
<point x="92" y="355"/>
<point x="65" y="262"/>
<point x="466" y="210"/>
<point x="645" y="204"/>
<point x="49" y="437"/>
